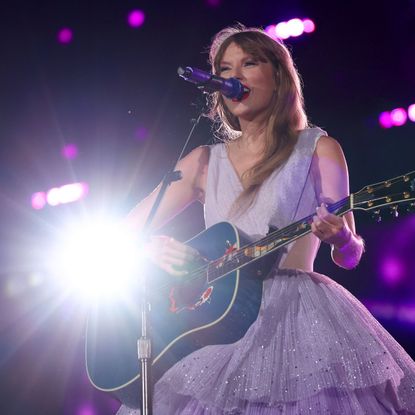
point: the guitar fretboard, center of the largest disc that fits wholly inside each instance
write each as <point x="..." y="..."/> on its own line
<point x="241" y="257"/>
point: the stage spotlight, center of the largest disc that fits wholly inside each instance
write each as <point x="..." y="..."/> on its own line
<point x="38" y="200"/>
<point x="295" y="27"/>
<point x="385" y="120"/>
<point x="282" y="31"/>
<point x="59" y="195"/>
<point x="309" y="26"/>
<point x="98" y="258"/>
<point x="65" y="35"/>
<point x="411" y="112"/>
<point x="136" y="18"/>
<point x="399" y="117"/>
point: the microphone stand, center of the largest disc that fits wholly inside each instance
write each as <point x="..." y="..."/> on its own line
<point x="144" y="342"/>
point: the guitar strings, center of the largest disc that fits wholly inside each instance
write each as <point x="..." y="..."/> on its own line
<point x="211" y="268"/>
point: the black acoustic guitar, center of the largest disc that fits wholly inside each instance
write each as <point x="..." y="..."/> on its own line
<point x="214" y="304"/>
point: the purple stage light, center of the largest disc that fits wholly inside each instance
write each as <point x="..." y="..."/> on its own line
<point x="136" y="18"/>
<point x="65" y="35"/>
<point x="38" y="200"/>
<point x="213" y="3"/>
<point x="70" y="151"/>
<point x="309" y="26"/>
<point x="141" y="133"/>
<point x="295" y="27"/>
<point x="398" y="117"/>
<point x="385" y="120"/>
<point x="411" y="112"/>
<point x="381" y="309"/>
<point x="86" y="410"/>
<point x="392" y="270"/>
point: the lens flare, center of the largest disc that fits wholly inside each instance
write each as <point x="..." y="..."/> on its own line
<point x="98" y="258"/>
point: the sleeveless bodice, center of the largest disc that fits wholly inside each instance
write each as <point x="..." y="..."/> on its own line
<point x="286" y="196"/>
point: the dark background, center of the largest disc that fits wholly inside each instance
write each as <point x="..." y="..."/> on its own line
<point x="112" y="80"/>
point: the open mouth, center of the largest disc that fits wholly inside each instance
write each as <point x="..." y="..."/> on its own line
<point x="247" y="91"/>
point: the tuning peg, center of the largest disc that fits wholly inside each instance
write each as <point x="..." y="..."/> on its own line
<point x="376" y="216"/>
<point x="394" y="211"/>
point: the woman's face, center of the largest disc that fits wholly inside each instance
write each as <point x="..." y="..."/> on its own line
<point x="254" y="74"/>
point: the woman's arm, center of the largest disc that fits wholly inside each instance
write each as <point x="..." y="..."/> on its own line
<point x="170" y="255"/>
<point x="331" y="181"/>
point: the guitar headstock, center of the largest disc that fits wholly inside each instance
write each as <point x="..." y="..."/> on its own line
<point x="393" y="192"/>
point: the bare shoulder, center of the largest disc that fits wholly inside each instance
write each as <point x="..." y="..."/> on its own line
<point x="328" y="158"/>
<point x="198" y="156"/>
<point x="329" y="147"/>
<point x="329" y="170"/>
<point x="195" y="163"/>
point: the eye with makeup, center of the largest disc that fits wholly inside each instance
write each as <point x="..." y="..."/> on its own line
<point x="223" y="69"/>
<point x="248" y="63"/>
<point x="251" y="62"/>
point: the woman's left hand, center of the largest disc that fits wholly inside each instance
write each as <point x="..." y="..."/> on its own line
<point x="330" y="228"/>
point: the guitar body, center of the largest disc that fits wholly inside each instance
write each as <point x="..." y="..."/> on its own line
<point x="185" y="316"/>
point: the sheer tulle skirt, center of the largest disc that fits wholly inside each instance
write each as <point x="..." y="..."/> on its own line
<point x="314" y="349"/>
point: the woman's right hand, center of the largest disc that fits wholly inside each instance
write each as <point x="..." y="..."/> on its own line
<point x="170" y="255"/>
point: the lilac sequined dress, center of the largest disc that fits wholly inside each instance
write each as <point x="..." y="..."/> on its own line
<point x="314" y="348"/>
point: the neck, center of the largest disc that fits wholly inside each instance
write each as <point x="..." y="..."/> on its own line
<point x="253" y="135"/>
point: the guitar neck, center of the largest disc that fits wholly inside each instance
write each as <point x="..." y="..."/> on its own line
<point x="239" y="258"/>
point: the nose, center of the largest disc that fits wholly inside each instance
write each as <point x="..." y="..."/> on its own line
<point x="237" y="73"/>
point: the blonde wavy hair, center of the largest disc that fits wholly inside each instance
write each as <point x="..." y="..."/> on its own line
<point x="287" y="116"/>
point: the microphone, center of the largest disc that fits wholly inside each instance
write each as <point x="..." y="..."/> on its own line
<point x="229" y="87"/>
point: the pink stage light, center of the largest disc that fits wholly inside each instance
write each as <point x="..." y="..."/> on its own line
<point x="270" y="30"/>
<point x="60" y="195"/>
<point x="309" y="26"/>
<point x="70" y="151"/>
<point x="411" y="112"/>
<point x="398" y="117"/>
<point x="38" y="200"/>
<point x="136" y="18"/>
<point x="295" y="27"/>
<point x="385" y="120"/>
<point x="65" y="35"/>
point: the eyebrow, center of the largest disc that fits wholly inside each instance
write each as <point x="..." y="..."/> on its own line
<point x="245" y="58"/>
